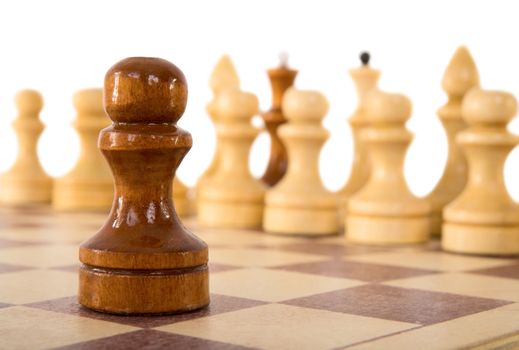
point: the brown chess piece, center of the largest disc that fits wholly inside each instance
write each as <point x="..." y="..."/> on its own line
<point x="143" y="260"/>
<point x="281" y="79"/>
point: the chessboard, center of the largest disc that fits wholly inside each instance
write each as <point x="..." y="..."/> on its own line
<point x="267" y="292"/>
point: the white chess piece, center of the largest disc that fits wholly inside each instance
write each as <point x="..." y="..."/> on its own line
<point x="385" y="211"/>
<point x="365" y="79"/>
<point x="26" y="182"/>
<point x="231" y="197"/>
<point x="299" y="203"/>
<point x="89" y="185"/>
<point x="483" y="219"/>
<point x="460" y="76"/>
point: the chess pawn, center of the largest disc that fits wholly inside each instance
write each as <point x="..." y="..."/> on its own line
<point x="365" y="79"/>
<point x="89" y="185"/>
<point x="224" y="76"/>
<point x="281" y="79"/>
<point x="461" y="75"/>
<point x="143" y="260"/>
<point x="231" y="197"/>
<point x="385" y="211"/>
<point x="26" y="182"/>
<point x="299" y="203"/>
<point x="483" y="219"/>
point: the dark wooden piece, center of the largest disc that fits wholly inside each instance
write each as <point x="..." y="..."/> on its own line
<point x="281" y="79"/>
<point x="143" y="260"/>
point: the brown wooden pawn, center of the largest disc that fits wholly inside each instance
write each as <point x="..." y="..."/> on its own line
<point x="281" y="79"/>
<point x="143" y="260"/>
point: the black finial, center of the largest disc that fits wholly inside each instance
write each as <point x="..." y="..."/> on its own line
<point x="364" y="58"/>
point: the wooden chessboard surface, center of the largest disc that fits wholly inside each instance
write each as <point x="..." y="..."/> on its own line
<point x="268" y="292"/>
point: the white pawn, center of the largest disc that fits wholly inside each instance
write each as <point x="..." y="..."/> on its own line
<point x="483" y="219"/>
<point x="89" y="185"/>
<point x="385" y="211"/>
<point x="231" y="197"/>
<point x="26" y="182"/>
<point x="299" y="203"/>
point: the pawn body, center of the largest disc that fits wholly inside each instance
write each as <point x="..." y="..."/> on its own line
<point x="26" y="182"/>
<point x="299" y="203"/>
<point x="385" y="211"/>
<point x="143" y="260"/>
<point x="89" y="185"/>
<point x="483" y="219"/>
<point x="231" y="197"/>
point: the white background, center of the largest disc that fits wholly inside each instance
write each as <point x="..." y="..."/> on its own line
<point x="59" y="47"/>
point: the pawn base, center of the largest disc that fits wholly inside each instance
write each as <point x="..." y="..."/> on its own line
<point x="300" y="221"/>
<point x="436" y="224"/>
<point x="82" y="196"/>
<point x="235" y="215"/>
<point x="22" y="192"/>
<point x="379" y="230"/>
<point x="143" y="291"/>
<point x="481" y="239"/>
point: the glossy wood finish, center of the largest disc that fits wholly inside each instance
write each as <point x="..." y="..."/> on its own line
<point x="281" y="79"/>
<point x="143" y="260"/>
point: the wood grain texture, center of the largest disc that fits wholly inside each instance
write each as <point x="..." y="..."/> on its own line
<point x="143" y="260"/>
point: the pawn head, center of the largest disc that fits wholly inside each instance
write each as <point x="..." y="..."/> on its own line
<point x="89" y="101"/>
<point x="145" y="90"/>
<point x="384" y="107"/>
<point x="304" y="105"/>
<point x="235" y="104"/>
<point x="488" y="107"/>
<point x="29" y="102"/>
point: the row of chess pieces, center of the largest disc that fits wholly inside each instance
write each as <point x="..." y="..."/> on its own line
<point x="470" y="207"/>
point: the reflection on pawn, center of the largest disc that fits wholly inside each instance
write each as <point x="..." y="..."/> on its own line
<point x="89" y="185"/>
<point x="385" y="211"/>
<point x="299" y="203"/>
<point x="484" y="219"/>
<point x="26" y="182"/>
